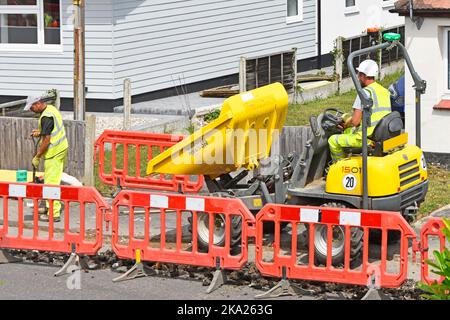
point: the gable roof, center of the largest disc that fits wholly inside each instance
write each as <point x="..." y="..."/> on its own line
<point x="426" y="8"/>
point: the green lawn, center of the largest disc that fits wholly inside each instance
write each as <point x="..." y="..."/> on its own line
<point x="439" y="190"/>
<point x="299" y="114"/>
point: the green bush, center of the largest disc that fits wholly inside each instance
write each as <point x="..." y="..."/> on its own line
<point x="211" y="116"/>
<point x="441" y="267"/>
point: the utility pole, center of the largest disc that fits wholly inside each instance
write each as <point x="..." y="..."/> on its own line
<point x="79" y="91"/>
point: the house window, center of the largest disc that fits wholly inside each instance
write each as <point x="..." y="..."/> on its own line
<point x="294" y="11"/>
<point x="350" y="3"/>
<point x="29" y="23"/>
<point x="350" y="7"/>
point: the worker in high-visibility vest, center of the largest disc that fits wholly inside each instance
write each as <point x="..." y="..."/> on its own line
<point x="52" y="148"/>
<point x="352" y="135"/>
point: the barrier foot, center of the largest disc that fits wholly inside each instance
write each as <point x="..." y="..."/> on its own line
<point x="219" y="279"/>
<point x="6" y="257"/>
<point x="284" y="288"/>
<point x="374" y="294"/>
<point x="137" y="271"/>
<point x="75" y="262"/>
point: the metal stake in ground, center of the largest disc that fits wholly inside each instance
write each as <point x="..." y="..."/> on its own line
<point x="284" y="288"/>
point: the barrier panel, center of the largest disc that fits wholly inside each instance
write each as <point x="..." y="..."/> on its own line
<point x="367" y="273"/>
<point x="169" y="219"/>
<point x="130" y="173"/>
<point x="21" y="229"/>
<point x="432" y="227"/>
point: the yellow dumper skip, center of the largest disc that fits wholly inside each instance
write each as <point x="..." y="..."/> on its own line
<point x="239" y="138"/>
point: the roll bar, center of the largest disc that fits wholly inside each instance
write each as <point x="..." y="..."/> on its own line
<point x="420" y="86"/>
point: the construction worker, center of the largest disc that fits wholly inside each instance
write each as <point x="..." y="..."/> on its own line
<point x="352" y="136"/>
<point x="53" y="148"/>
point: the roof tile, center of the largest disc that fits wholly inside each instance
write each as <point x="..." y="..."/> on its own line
<point x="424" y="4"/>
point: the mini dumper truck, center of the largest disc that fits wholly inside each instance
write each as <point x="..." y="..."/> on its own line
<point x="385" y="174"/>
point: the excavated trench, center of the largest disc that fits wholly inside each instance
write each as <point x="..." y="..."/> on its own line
<point x="247" y="276"/>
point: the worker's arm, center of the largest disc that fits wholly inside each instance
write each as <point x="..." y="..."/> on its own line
<point x="355" y="120"/>
<point x="45" y="143"/>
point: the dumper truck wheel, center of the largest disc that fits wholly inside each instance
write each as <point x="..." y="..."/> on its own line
<point x="219" y="230"/>
<point x="338" y="247"/>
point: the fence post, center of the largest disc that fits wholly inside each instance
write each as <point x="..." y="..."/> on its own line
<point x="57" y="99"/>
<point x="89" y="151"/>
<point x="127" y="104"/>
<point x="295" y="74"/>
<point x="339" y="59"/>
<point x="242" y="74"/>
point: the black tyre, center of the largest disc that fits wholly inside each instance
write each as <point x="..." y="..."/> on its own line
<point x="338" y="247"/>
<point x="219" y="230"/>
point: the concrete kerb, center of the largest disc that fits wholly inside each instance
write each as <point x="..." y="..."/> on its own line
<point x="443" y="212"/>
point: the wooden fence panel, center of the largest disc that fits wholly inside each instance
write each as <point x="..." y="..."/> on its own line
<point x="17" y="148"/>
<point x="293" y="140"/>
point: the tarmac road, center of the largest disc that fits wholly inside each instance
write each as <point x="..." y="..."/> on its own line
<point x="34" y="281"/>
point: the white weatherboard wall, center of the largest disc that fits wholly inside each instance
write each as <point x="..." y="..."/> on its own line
<point x="427" y="49"/>
<point x="156" y="41"/>
<point x="339" y="21"/>
<point x="32" y="72"/>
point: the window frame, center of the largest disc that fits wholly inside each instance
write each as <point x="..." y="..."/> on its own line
<point x="351" y="9"/>
<point x="298" y="17"/>
<point x="38" y="10"/>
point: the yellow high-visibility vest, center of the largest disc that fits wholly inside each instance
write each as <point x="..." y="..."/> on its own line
<point x="381" y="106"/>
<point x="58" y="139"/>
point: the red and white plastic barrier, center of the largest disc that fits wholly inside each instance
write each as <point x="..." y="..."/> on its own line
<point x="432" y="227"/>
<point x="155" y="143"/>
<point x="25" y="235"/>
<point x="332" y="217"/>
<point x="18" y="233"/>
<point x="162" y="205"/>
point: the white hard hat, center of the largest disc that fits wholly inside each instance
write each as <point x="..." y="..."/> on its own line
<point x="369" y="68"/>
<point x="30" y="101"/>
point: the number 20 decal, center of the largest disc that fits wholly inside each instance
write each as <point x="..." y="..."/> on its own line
<point x="350" y="182"/>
